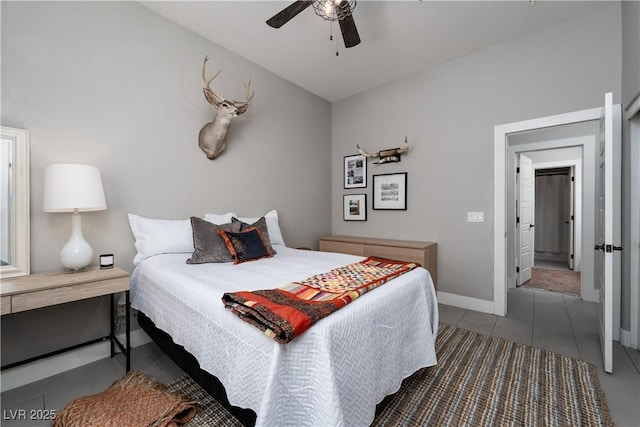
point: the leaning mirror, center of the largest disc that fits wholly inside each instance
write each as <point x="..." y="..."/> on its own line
<point x="14" y="203"/>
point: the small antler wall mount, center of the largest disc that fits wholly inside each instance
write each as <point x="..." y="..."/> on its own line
<point x="386" y="156"/>
<point x="213" y="136"/>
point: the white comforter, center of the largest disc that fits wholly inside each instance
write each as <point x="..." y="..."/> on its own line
<point x="332" y="375"/>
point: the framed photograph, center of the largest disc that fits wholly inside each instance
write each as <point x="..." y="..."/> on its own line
<point x="390" y="191"/>
<point x="355" y="171"/>
<point x="355" y="207"/>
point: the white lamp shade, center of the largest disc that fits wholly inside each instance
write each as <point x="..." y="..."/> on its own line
<point x="68" y="187"/>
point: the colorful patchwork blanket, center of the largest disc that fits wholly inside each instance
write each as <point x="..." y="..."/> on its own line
<point x="286" y="312"/>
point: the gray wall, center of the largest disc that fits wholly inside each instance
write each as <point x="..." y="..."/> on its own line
<point x="449" y="113"/>
<point x="630" y="51"/>
<point x="115" y="85"/>
<point x="630" y="92"/>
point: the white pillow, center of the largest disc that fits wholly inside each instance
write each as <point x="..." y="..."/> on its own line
<point x="219" y="219"/>
<point x="160" y="236"/>
<point x="275" y="235"/>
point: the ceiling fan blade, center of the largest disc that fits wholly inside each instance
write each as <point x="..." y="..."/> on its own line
<point x="349" y="32"/>
<point x="288" y="13"/>
<point x="348" y="26"/>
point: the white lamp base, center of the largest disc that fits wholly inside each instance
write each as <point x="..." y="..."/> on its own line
<point x="76" y="254"/>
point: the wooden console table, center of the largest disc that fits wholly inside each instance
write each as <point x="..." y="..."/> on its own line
<point x="426" y="253"/>
<point x="43" y="290"/>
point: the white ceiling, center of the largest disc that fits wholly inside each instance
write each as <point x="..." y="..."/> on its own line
<point x="399" y="38"/>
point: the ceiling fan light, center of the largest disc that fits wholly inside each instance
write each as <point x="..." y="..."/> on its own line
<point x="332" y="10"/>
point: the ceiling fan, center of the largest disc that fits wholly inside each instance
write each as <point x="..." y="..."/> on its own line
<point x="332" y="10"/>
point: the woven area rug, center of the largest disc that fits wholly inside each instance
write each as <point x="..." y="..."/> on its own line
<point x="210" y="412"/>
<point x="489" y="381"/>
<point x="565" y="281"/>
<point x="479" y="381"/>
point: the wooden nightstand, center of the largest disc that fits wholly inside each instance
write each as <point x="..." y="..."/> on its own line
<point x="47" y="289"/>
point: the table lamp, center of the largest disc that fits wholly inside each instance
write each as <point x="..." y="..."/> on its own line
<point x="74" y="188"/>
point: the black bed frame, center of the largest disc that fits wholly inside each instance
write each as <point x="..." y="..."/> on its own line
<point x="188" y="363"/>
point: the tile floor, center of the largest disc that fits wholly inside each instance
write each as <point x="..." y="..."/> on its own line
<point x="544" y="319"/>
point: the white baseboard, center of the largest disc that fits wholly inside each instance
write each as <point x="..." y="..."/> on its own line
<point x="50" y="366"/>
<point x="467" y="303"/>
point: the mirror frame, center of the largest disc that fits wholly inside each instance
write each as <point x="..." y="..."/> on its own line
<point x="20" y="237"/>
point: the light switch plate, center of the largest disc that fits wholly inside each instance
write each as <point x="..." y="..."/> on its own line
<point x="475" y="216"/>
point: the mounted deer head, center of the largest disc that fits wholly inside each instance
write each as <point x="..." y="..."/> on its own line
<point x="386" y="156"/>
<point x="213" y="136"/>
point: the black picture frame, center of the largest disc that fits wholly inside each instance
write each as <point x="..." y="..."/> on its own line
<point x="355" y="171"/>
<point x="354" y="207"/>
<point x="390" y="191"/>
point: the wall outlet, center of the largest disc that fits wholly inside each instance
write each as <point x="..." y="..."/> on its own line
<point x="475" y="216"/>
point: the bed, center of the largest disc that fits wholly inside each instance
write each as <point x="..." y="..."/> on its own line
<point x="333" y="374"/>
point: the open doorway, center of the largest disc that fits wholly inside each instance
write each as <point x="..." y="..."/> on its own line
<point x="553" y="263"/>
<point x="557" y="219"/>
<point x="562" y="158"/>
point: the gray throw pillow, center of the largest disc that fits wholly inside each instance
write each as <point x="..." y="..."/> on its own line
<point x="209" y="245"/>
<point x="262" y="226"/>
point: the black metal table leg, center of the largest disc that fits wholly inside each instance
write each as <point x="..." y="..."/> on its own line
<point x="128" y="338"/>
<point x="112" y="333"/>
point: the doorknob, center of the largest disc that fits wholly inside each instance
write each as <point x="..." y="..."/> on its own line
<point x="609" y="248"/>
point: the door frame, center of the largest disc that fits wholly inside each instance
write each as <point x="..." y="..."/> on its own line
<point x="501" y="153"/>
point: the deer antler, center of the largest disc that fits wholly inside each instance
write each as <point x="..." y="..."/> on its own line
<point x="364" y="153"/>
<point x="212" y="97"/>
<point x="217" y="99"/>
<point x="243" y="105"/>
<point x="405" y="148"/>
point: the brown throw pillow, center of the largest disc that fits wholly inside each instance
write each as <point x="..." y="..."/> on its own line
<point x="209" y="246"/>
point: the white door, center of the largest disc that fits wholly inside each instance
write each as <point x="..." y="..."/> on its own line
<point x="571" y="219"/>
<point x="523" y="219"/>
<point x="604" y="232"/>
